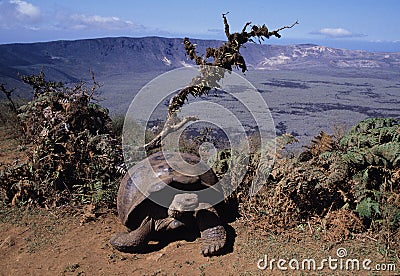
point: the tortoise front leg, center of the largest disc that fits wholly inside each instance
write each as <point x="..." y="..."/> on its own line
<point x="134" y="240"/>
<point x="213" y="234"/>
<point x="167" y="224"/>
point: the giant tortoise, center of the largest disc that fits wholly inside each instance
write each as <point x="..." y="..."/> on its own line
<point x="154" y="196"/>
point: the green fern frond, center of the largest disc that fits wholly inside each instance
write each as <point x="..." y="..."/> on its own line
<point x="368" y="208"/>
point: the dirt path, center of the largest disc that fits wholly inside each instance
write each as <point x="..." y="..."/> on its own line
<point x="51" y="244"/>
<point x="43" y="242"/>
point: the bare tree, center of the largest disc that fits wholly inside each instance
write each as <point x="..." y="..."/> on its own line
<point x="8" y="93"/>
<point x="224" y="58"/>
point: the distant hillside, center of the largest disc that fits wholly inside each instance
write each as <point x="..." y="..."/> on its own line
<point x="107" y="56"/>
<point x="308" y="88"/>
<point x="117" y="60"/>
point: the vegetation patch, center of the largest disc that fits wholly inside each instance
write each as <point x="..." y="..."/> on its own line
<point x="340" y="187"/>
<point x="75" y="154"/>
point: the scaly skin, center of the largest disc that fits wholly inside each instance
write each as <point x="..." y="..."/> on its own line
<point x="213" y="234"/>
<point x="213" y="240"/>
<point x="135" y="240"/>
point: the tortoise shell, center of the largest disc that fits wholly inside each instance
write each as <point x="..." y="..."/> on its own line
<point x="159" y="178"/>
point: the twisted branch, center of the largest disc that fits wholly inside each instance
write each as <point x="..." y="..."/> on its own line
<point x="8" y="93"/>
<point x="168" y="129"/>
<point x="224" y="57"/>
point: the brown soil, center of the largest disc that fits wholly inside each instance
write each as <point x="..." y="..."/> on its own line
<point x="55" y="244"/>
<point x="43" y="242"/>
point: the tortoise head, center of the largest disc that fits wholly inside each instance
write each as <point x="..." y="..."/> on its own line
<point x="183" y="203"/>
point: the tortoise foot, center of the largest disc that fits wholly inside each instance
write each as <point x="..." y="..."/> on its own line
<point x="213" y="240"/>
<point x="123" y="242"/>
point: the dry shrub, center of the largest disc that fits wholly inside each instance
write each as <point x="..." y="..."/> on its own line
<point x="75" y="154"/>
<point x="351" y="185"/>
<point x="270" y="210"/>
<point x="340" y="224"/>
<point x="247" y="175"/>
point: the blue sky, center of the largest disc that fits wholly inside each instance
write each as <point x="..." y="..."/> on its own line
<point x="355" y="24"/>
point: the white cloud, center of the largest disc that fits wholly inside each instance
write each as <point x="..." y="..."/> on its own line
<point x="18" y="13"/>
<point x="336" y="33"/>
<point x="23" y="15"/>
<point x="26" y="9"/>
<point x="81" y="21"/>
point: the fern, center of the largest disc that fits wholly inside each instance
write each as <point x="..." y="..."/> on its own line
<point x="388" y="151"/>
<point x="368" y="208"/>
<point x="361" y="171"/>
